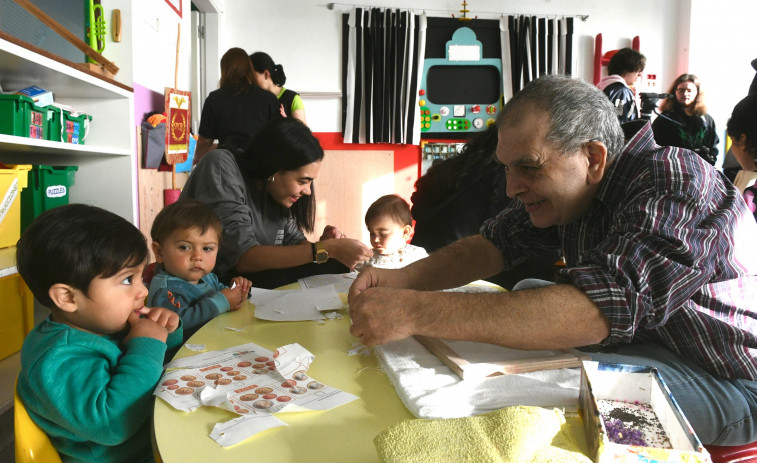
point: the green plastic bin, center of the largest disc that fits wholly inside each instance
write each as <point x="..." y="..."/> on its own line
<point x="19" y="116"/>
<point x="68" y="128"/>
<point x="47" y="187"/>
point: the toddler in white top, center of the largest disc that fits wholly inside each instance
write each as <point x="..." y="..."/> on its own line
<point x="391" y="226"/>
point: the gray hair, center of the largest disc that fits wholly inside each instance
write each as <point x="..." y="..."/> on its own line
<point x="578" y="113"/>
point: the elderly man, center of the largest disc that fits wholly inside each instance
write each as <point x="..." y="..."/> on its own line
<point x="660" y="253"/>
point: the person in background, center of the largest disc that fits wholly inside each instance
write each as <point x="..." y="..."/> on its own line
<point x="185" y="240"/>
<point x="88" y="371"/>
<point x="265" y="198"/>
<point x="456" y="196"/>
<point x="660" y="251"/>
<point x="731" y="165"/>
<point x="270" y="76"/>
<point x="390" y="226"/>
<point x="742" y="128"/>
<point x="684" y="121"/>
<point x="238" y="109"/>
<point x="625" y="67"/>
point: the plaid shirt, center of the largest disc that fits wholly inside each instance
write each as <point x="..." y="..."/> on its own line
<point x="668" y="251"/>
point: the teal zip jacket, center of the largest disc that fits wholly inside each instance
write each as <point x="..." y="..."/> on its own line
<point x="195" y="304"/>
<point x="91" y="395"/>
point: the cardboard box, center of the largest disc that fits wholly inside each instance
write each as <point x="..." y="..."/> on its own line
<point x="39" y="95"/>
<point x="632" y="383"/>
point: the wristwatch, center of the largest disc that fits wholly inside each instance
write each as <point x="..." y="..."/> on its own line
<point x="320" y="255"/>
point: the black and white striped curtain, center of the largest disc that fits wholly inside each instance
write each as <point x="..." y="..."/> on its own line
<point x="534" y="46"/>
<point x="383" y="66"/>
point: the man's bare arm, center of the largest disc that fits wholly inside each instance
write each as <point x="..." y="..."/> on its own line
<point x="556" y="316"/>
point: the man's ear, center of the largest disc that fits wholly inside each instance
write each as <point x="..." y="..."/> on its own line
<point x="63" y="297"/>
<point x="157" y="251"/>
<point x="596" y="152"/>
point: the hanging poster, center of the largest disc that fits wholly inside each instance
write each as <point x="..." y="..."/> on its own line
<point x="178" y="107"/>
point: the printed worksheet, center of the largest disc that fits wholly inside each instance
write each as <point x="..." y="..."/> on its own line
<point x="248" y="379"/>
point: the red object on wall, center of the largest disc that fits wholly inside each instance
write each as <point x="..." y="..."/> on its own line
<point x="604" y="59"/>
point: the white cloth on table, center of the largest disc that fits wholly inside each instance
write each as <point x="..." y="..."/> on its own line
<point x="429" y="389"/>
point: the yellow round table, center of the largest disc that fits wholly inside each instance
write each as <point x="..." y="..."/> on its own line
<point x="342" y="434"/>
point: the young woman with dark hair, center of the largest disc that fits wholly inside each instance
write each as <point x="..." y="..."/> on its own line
<point x="265" y="198"/>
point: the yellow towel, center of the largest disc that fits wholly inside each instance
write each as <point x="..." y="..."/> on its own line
<point x="512" y="434"/>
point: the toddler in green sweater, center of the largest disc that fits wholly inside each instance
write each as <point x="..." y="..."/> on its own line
<point x="88" y="371"/>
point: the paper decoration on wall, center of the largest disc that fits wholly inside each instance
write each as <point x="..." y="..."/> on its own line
<point x="178" y="106"/>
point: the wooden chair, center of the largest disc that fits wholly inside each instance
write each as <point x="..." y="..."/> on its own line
<point x="32" y="444"/>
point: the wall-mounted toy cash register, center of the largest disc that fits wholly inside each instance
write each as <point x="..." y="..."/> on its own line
<point x="462" y="93"/>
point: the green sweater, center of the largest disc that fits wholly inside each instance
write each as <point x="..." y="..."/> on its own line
<point x="90" y="396"/>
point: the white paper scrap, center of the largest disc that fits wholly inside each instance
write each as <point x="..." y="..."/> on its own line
<point x="341" y="281"/>
<point x="292" y="360"/>
<point x="295" y="304"/>
<point x="195" y="347"/>
<point x="235" y="431"/>
<point x="234" y="329"/>
<point x="359" y="348"/>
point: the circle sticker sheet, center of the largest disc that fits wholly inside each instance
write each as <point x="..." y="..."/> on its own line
<point x="248" y="380"/>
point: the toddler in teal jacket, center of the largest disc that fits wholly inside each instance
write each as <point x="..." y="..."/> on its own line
<point x="185" y="240"/>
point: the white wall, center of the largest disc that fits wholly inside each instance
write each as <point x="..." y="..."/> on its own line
<point x="721" y="57"/>
<point x="715" y="40"/>
<point x="305" y="36"/>
<point x="146" y="54"/>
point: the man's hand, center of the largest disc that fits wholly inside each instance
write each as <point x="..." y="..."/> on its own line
<point x="382" y="315"/>
<point x="371" y="277"/>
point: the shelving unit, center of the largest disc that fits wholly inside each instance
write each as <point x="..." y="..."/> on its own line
<point x="107" y="175"/>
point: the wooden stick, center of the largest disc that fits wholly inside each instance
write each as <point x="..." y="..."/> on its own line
<point x="66" y="34"/>
<point x="176" y="71"/>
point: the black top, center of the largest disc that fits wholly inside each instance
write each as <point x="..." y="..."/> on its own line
<point x="697" y="133"/>
<point x="236" y="111"/>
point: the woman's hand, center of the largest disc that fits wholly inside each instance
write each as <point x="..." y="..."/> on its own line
<point x="331" y="232"/>
<point x="347" y="251"/>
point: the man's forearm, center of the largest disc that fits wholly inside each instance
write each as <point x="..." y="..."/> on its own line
<point x="553" y="317"/>
<point x="459" y="263"/>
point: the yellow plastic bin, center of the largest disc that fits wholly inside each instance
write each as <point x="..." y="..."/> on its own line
<point x="13" y="178"/>
<point x="17" y="316"/>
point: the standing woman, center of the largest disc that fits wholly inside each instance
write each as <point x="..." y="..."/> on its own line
<point x="265" y="198"/>
<point x="684" y="121"/>
<point x="237" y="109"/>
<point x="270" y="76"/>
